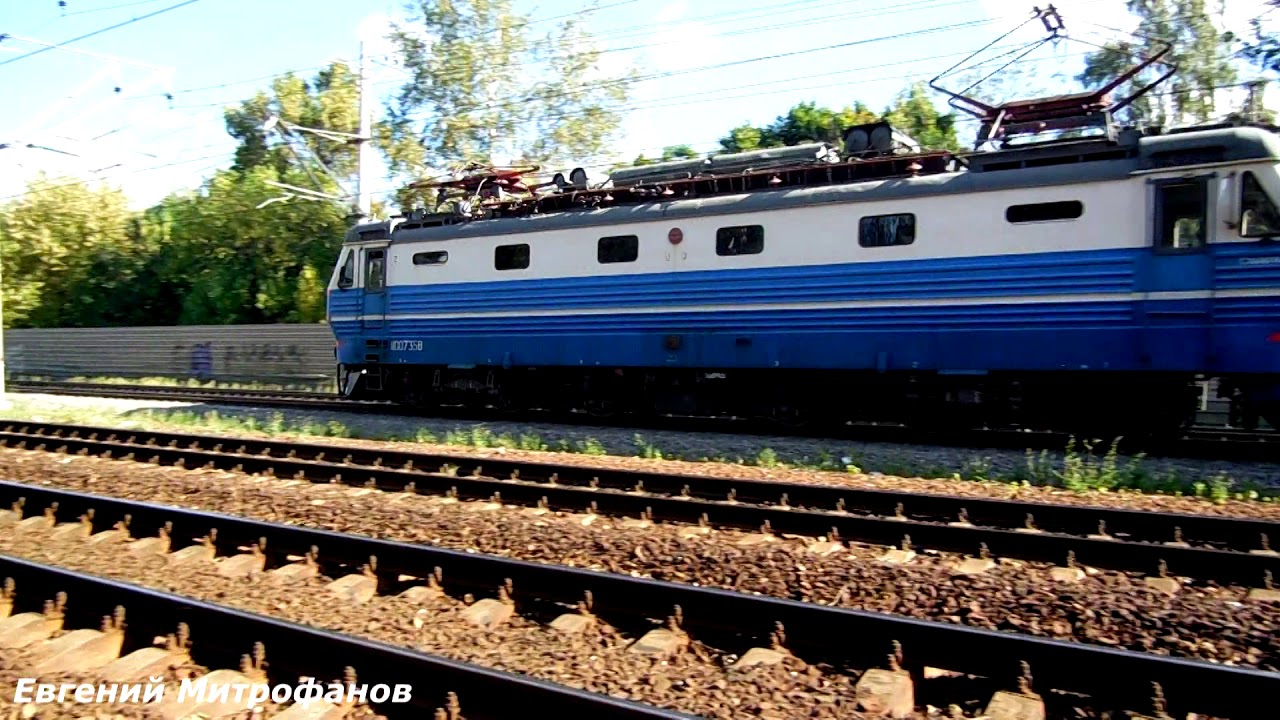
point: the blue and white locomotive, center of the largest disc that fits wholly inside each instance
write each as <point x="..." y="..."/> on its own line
<point x="1037" y="283"/>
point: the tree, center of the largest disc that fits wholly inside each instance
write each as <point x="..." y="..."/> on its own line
<point x="803" y="123"/>
<point x="231" y="262"/>
<point x="484" y="89"/>
<point x="677" y="152"/>
<point x="1264" y="49"/>
<point x="70" y="252"/>
<point x="330" y="101"/>
<point x="913" y="113"/>
<point x="1200" y="51"/>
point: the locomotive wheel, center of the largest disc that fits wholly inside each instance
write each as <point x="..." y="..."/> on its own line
<point x="790" y="416"/>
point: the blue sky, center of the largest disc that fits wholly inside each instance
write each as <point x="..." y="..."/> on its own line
<point x="214" y="52"/>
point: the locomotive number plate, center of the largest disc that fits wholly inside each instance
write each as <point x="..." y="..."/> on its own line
<point x="406" y="344"/>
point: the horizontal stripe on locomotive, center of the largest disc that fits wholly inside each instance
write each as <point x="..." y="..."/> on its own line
<point x="1105" y="271"/>
<point x="1042" y="273"/>
<point x="1122" y="299"/>
<point x="821" y="346"/>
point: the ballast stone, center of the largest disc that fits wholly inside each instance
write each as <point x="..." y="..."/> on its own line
<point x="1066" y="574"/>
<point x="149" y="546"/>
<point x="242" y="565"/>
<point x="760" y="656"/>
<point x="356" y="589"/>
<point x="77" y="651"/>
<point x="295" y="572"/>
<point x="192" y="555"/>
<point x="488" y="613"/>
<point x="897" y="557"/>
<point x="19" y="631"/>
<point x="143" y="664"/>
<point x="973" y="566"/>
<point x="659" y="643"/>
<point x="573" y="623"/>
<point x="71" y="531"/>
<point x="174" y="709"/>
<point x="317" y="710"/>
<point x="890" y="693"/>
<point x="1014" y="706"/>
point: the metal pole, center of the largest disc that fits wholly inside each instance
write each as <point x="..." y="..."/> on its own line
<point x="364" y="150"/>
<point x="4" y="398"/>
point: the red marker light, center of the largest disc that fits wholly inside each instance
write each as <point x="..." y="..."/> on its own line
<point x="1274" y="337"/>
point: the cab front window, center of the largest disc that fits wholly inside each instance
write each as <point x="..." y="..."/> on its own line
<point x="1258" y="214"/>
<point x="347" y="273"/>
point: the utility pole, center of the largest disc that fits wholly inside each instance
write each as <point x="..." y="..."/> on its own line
<point x="361" y="201"/>
<point x="364" y="157"/>
<point x="4" y="397"/>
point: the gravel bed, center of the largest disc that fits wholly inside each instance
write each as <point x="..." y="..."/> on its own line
<point x="621" y="448"/>
<point x="1203" y="621"/>
<point x="696" y="681"/>
<point x="15" y="665"/>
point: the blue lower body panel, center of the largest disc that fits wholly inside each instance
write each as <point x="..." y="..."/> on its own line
<point x="1187" y="336"/>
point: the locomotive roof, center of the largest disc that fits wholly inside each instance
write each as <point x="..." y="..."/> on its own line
<point x="1030" y="166"/>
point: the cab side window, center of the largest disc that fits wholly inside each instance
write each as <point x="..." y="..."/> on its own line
<point x="347" y="275"/>
<point x="1181" y="216"/>
<point x="1258" y="214"/>
<point x="374" y="265"/>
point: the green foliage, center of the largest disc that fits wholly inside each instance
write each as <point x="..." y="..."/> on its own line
<point x="675" y="152"/>
<point x="330" y="101"/>
<point x="767" y="458"/>
<point x="648" y="450"/>
<point x="76" y="256"/>
<point x="1202" y="53"/>
<point x="1263" y="49"/>
<point x="806" y="122"/>
<point x="912" y="113"/>
<point x="230" y="262"/>
<point x="670" y="152"/>
<point x="484" y="89"/>
<point x="70" y="253"/>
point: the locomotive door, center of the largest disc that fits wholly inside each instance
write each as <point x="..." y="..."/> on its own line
<point x="373" y="313"/>
<point x="1177" y="280"/>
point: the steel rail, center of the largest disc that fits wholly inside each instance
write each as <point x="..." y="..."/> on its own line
<point x="221" y="635"/>
<point x="230" y="396"/>
<point x="1134" y="542"/>
<point x="1118" y="678"/>
<point x="1205" y="443"/>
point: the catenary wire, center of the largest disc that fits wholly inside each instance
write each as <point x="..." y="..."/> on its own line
<point x="98" y="32"/>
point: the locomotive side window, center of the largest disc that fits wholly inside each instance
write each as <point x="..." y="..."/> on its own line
<point x="373" y="270"/>
<point x="1181" y="215"/>
<point x="511" y="257"/>
<point x="887" y="230"/>
<point x="1044" y="212"/>
<point x="347" y="275"/>
<point x="1258" y="214"/>
<point x="618" y="249"/>
<point x="431" y="258"/>
<point x="740" y="240"/>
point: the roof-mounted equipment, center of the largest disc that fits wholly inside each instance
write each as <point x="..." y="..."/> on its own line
<point x="1028" y="118"/>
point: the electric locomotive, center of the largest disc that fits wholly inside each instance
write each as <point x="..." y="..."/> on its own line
<point x="1069" y="265"/>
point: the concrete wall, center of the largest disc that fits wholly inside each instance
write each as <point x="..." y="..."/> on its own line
<point x="234" y="353"/>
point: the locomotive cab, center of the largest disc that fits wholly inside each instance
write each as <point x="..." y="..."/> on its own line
<point x="357" y="306"/>
<point x="1250" y="264"/>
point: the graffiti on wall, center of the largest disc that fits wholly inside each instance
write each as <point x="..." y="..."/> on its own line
<point x="202" y="361"/>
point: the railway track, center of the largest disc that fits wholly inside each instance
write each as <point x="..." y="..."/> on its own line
<point x="1108" y="678"/>
<point x="1221" y="549"/>
<point x="62" y="638"/>
<point x="1198" y="443"/>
